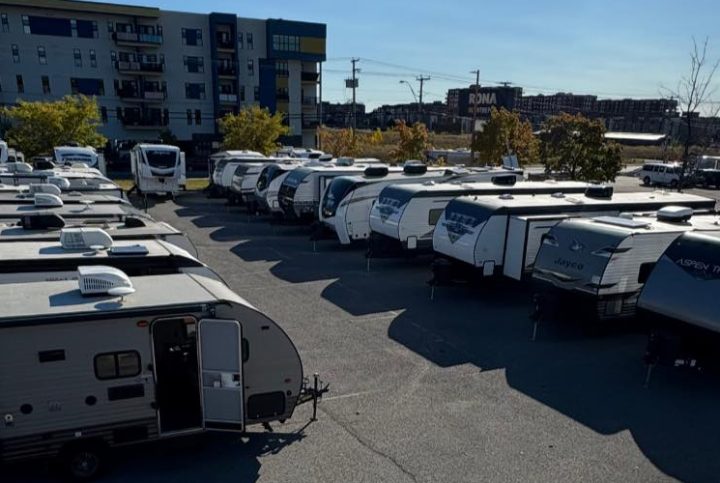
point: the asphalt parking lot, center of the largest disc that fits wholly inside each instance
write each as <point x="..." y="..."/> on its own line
<point x="451" y="389"/>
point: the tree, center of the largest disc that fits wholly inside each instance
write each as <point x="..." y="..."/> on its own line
<point x="37" y="127"/>
<point x="253" y="128"/>
<point x="414" y="141"/>
<point x="693" y="92"/>
<point x="577" y="145"/>
<point x="503" y="134"/>
<point x="346" y="142"/>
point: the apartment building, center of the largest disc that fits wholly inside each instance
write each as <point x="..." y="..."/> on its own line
<point x="154" y="70"/>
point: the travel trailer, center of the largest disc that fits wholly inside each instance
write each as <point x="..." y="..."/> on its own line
<point x="66" y="180"/>
<point x="44" y="227"/>
<point x="225" y="168"/>
<point x="602" y="263"/>
<point x="157" y="168"/>
<point x="346" y="203"/>
<point x="270" y="201"/>
<point x="267" y="176"/>
<point x="251" y="171"/>
<point x="403" y="217"/>
<point x="684" y="284"/>
<point x="245" y="185"/>
<point x="52" y="206"/>
<point x="37" y="261"/>
<point x="502" y="234"/>
<point x="110" y="360"/>
<point x="70" y="155"/>
<point x="234" y="153"/>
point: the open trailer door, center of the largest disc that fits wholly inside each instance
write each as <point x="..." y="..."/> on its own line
<point x="221" y="374"/>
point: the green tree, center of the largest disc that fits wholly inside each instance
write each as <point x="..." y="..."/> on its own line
<point x="413" y="141"/>
<point x="37" y="127"/>
<point x="253" y="128"/>
<point x="346" y="142"/>
<point x="505" y="133"/>
<point x="576" y="145"/>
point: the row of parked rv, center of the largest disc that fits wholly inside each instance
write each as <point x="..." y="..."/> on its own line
<point x="114" y="332"/>
<point x="597" y="249"/>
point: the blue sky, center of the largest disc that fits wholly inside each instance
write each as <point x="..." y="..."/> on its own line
<point x="611" y="48"/>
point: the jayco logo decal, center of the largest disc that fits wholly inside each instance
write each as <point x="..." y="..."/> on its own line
<point x="565" y="263"/>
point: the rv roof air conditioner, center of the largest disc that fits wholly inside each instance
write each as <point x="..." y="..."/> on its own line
<point x="42" y="221"/>
<point x="83" y="238"/>
<point x="100" y="279"/>
<point x="47" y="200"/>
<point x="600" y="191"/>
<point x="674" y="214"/>
<point x="414" y="168"/>
<point x="504" y="180"/>
<point x="376" y="171"/>
<point x="36" y="188"/>
<point x="558" y="195"/>
<point x="79" y="165"/>
<point x="59" y="181"/>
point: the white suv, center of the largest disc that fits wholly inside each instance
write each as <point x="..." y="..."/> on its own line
<point x="659" y="173"/>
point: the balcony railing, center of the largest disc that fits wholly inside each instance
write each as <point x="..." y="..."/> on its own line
<point x="227" y="70"/>
<point x="223" y="43"/>
<point x="142" y="122"/>
<point x="135" y="38"/>
<point x="228" y="98"/>
<point x="134" y="95"/>
<point x="140" y="67"/>
<point x="309" y="76"/>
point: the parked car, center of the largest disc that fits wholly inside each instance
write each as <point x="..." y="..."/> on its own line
<point x="707" y="171"/>
<point x="659" y="173"/>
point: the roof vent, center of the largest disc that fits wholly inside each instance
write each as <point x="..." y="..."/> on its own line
<point x="626" y="215"/>
<point x="83" y="238"/>
<point x="376" y="171"/>
<point x="558" y="195"/>
<point x="504" y="180"/>
<point x="42" y="221"/>
<point x="674" y="214"/>
<point x="506" y="196"/>
<point x="622" y="221"/>
<point x="600" y="191"/>
<point x="44" y="188"/>
<point x="414" y="168"/>
<point x="47" y="200"/>
<point x="100" y="279"/>
<point x="345" y="161"/>
<point x="59" y="181"/>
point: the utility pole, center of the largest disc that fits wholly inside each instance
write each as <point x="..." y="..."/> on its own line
<point x="475" y="110"/>
<point x="353" y="84"/>
<point x="420" y="106"/>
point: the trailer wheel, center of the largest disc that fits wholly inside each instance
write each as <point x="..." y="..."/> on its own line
<point x="84" y="461"/>
<point x="646" y="180"/>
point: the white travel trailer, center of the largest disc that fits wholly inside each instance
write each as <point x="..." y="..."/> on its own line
<point x="233" y="153"/>
<point x="269" y="201"/>
<point x="157" y="168"/>
<point x="684" y="285"/>
<point x="345" y="205"/>
<point x="224" y="168"/>
<point x="70" y="155"/>
<point x="111" y="360"/>
<point x="602" y="263"/>
<point x="44" y="227"/>
<point x="38" y="261"/>
<point x="502" y="234"/>
<point x="403" y="217"/>
<point x="243" y="172"/>
<point x="268" y="174"/>
<point x="245" y="184"/>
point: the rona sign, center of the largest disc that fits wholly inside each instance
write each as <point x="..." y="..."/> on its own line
<point x="487" y="98"/>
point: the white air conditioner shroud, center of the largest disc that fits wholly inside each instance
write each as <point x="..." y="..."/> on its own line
<point x="99" y="279"/>
<point x="47" y="200"/>
<point x="84" y="238"/>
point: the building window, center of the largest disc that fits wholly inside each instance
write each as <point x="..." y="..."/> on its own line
<point x="113" y="56"/>
<point x="116" y="365"/>
<point x="281" y="68"/>
<point x="194" y="90"/>
<point x="42" y="55"/>
<point x="45" y="84"/>
<point x="26" y="24"/>
<point x="251" y="67"/>
<point x="198" y="117"/>
<point x="189" y="117"/>
<point x="103" y="114"/>
<point x="289" y="43"/>
<point x="15" y="53"/>
<point x="250" y="41"/>
<point x="192" y="36"/>
<point x="88" y="87"/>
<point x="78" y="57"/>
<point x="110" y="27"/>
<point x="93" y="58"/>
<point x="4" y="21"/>
<point x="242" y="93"/>
<point x="194" y="64"/>
<point x="240" y="40"/>
<point x="73" y="27"/>
<point x="20" y="84"/>
<point x="256" y="93"/>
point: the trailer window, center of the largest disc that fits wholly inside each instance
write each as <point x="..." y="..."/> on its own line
<point x="434" y="216"/>
<point x="116" y="365"/>
<point x="645" y="270"/>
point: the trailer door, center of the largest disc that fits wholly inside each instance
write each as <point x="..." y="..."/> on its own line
<point x="221" y="374"/>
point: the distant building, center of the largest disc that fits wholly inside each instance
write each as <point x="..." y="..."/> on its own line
<point x="463" y="102"/>
<point x="339" y="115"/>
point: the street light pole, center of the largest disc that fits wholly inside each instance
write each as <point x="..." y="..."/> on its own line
<point x="411" y="89"/>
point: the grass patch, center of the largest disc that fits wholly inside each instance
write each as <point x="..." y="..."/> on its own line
<point x="193" y="184"/>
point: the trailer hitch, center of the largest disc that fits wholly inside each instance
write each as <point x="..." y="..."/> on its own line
<point x="313" y="393"/>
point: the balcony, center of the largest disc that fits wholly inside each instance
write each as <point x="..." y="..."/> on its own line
<point x="132" y="95"/>
<point x="224" y="43"/>
<point x="140" y="68"/>
<point x="228" y="98"/>
<point x="135" y="39"/>
<point x="142" y="122"/>
<point x="282" y="96"/>
<point x="309" y="77"/>
<point x="227" y="71"/>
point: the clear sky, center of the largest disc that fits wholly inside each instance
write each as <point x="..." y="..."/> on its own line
<point x="611" y="48"/>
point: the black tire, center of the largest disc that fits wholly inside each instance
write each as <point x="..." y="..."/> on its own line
<point x="84" y="461"/>
<point x="646" y="180"/>
<point x="674" y="183"/>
